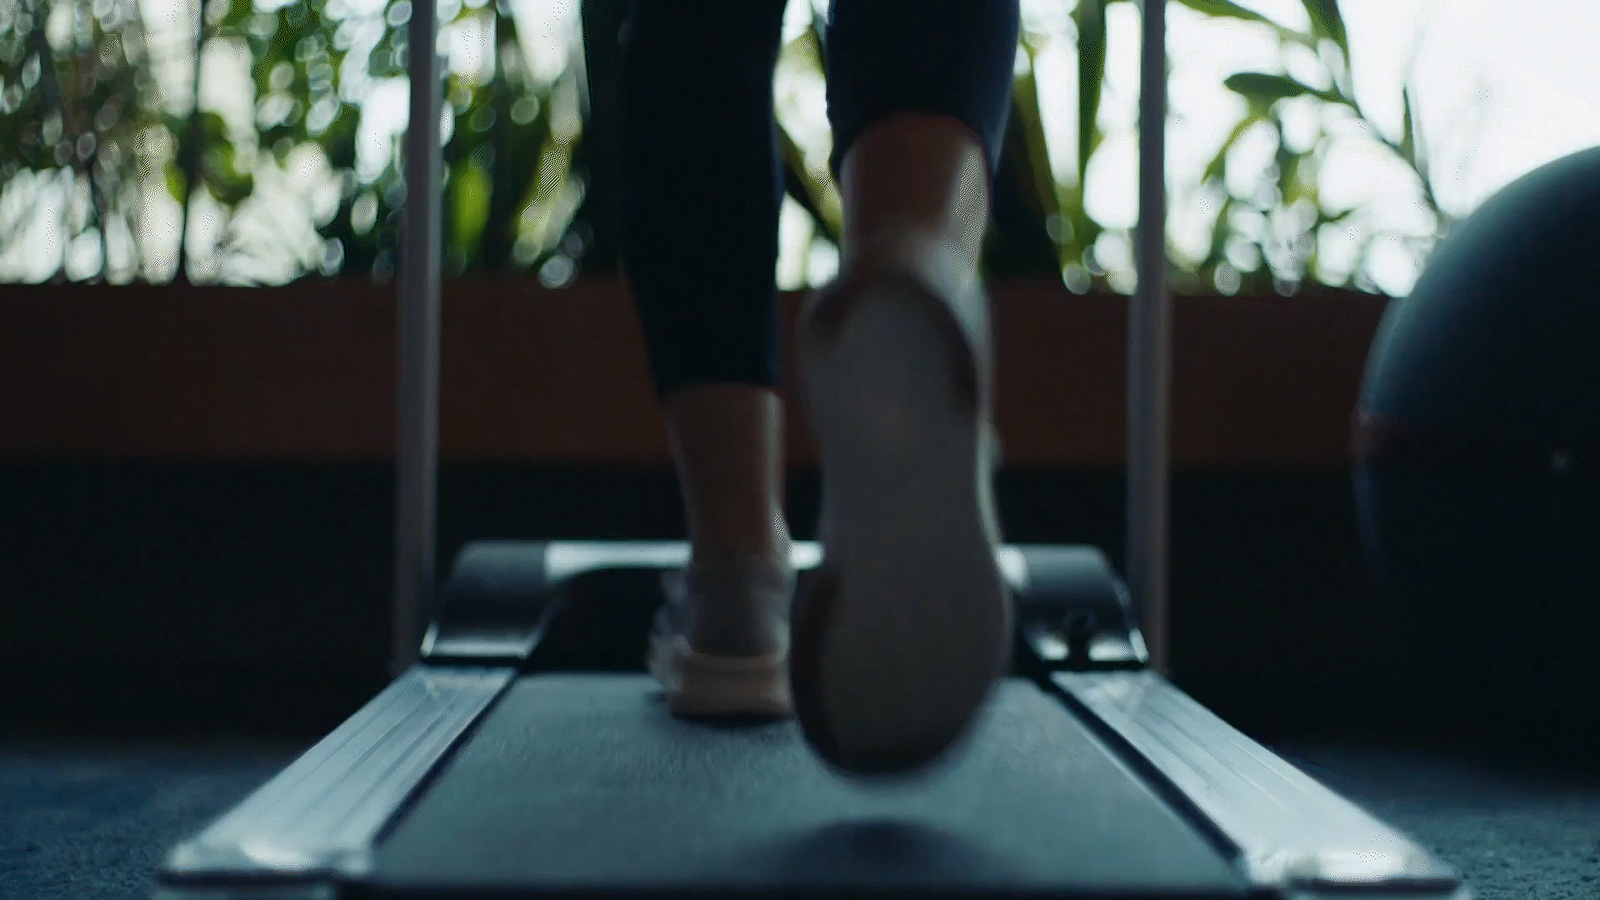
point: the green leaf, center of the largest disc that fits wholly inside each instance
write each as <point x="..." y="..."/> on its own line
<point x="1226" y="9"/>
<point x="1220" y="232"/>
<point x="469" y="189"/>
<point x="1265" y="89"/>
<point x="1090" y="18"/>
<point x="521" y="153"/>
<point x="213" y="128"/>
<point x="1327" y="218"/>
<point x="219" y="172"/>
<point x="463" y="138"/>
<point x="175" y="182"/>
<point x="809" y="192"/>
<point x="384" y="61"/>
<point x="1408" y="137"/>
<point x="340" y="139"/>
<point x="1298" y="181"/>
<point x="281" y="139"/>
<point x="1082" y="230"/>
<point x="238" y="15"/>
<point x="1217" y="169"/>
<point x="1327" y="22"/>
<point x="1026" y="113"/>
<point x="818" y="30"/>
<point x="807" y="45"/>
<point x="1287" y="163"/>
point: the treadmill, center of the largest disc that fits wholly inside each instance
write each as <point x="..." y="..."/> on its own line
<point x="521" y="751"/>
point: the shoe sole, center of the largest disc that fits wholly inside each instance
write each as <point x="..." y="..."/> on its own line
<point x="700" y="685"/>
<point x="907" y="624"/>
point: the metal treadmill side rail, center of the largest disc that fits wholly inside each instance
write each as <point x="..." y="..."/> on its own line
<point x="1291" y="831"/>
<point x="417" y="351"/>
<point x="319" y="818"/>
<point x="1150" y="352"/>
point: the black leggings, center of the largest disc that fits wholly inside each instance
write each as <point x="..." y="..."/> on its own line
<point x="702" y="173"/>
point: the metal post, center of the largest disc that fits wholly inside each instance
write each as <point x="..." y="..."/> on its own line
<point x="417" y="325"/>
<point x="1150" y="351"/>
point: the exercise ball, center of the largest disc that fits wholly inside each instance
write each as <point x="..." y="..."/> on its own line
<point x="1476" y="470"/>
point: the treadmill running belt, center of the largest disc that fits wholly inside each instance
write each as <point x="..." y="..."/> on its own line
<point x="583" y="783"/>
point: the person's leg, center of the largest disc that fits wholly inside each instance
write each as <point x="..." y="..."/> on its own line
<point x="727" y="445"/>
<point x="702" y="188"/>
<point x="919" y="95"/>
<point x="906" y="626"/>
<point x="701" y="194"/>
<point x="916" y="193"/>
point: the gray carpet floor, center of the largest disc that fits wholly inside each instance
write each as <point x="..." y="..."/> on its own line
<point x="83" y="819"/>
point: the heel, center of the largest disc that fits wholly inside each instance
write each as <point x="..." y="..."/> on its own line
<point x="907" y="625"/>
<point x="961" y="326"/>
<point x="713" y="686"/>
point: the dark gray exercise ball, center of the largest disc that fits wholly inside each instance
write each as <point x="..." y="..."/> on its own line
<point x="1476" y="476"/>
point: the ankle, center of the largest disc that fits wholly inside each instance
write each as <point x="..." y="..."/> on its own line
<point x="739" y="603"/>
<point x="736" y="544"/>
<point x="937" y="260"/>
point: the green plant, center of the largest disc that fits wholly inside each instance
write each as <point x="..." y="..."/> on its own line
<point x="1042" y="224"/>
<point x="1285" y="202"/>
<point x="79" y="113"/>
<point x="87" y="108"/>
<point x="528" y="183"/>
<point x="1266" y="237"/>
<point x="497" y="155"/>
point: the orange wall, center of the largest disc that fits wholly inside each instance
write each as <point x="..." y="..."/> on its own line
<point x="307" y="372"/>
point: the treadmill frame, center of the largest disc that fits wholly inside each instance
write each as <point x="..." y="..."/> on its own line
<point x="310" y="831"/>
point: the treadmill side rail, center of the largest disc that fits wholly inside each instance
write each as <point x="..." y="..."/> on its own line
<point x="318" y="818"/>
<point x="1291" y="831"/>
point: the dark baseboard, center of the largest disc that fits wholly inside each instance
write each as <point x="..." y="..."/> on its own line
<point x="256" y="595"/>
<point x="131" y="699"/>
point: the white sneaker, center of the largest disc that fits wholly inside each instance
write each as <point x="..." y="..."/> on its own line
<point x="905" y="627"/>
<point x="721" y="638"/>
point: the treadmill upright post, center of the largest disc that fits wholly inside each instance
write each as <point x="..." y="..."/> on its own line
<point x="417" y="328"/>
<point x="1150" y="350"/>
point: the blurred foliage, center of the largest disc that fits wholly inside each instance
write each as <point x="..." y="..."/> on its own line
<point x="1265" y="233"/>
<point x="78" y="111"/>
<point x="528" y="183"/>
<point x="1267" y="237"/>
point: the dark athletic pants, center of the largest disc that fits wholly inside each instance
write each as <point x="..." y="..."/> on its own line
<point x="702" y="174"/>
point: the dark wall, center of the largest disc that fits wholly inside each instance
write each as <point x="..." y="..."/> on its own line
<point x="152" y="595"/>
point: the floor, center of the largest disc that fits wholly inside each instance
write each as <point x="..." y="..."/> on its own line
<point x="91" y="818"/>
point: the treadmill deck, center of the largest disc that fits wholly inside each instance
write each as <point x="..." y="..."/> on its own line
<point x="584" y="783"/>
